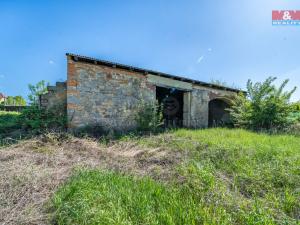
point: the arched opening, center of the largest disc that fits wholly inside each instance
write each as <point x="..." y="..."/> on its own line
<point x="218" y="116"/>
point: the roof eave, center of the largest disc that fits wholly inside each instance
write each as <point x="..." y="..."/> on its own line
<point x="81" y="58"/>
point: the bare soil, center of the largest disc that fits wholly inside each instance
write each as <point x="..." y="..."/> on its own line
<point x="32" y="170"/>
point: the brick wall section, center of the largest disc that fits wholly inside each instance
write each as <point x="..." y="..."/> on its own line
<point x="57" y="95"/>
<point x="105" y="96"/>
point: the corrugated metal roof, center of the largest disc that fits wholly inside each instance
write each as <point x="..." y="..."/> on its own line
<point x="86" y="59"/>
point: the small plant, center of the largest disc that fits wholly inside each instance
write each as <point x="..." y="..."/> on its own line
<point x="149" y="116"/>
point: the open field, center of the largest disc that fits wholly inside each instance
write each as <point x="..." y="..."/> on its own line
<point x="213" y="176"/>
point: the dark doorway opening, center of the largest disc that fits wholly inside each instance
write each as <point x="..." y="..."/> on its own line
<point x="218" y="116"/>
<point x="171" y="100"/>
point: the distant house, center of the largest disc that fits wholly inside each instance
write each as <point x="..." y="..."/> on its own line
<point x="2" y="97"/>
<point x="98" y="92"/>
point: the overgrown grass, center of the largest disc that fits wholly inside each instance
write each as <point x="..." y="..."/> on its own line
<point x="31" y="121"/>
<point x="94" y="197"/>
<point x="226" y="177"/>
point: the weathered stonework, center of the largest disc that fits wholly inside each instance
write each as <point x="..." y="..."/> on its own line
<point x="201" y="96"/>
<point x="106" y="94"/>
<point x="98" y="95"/>
<point x="57" y="95"/>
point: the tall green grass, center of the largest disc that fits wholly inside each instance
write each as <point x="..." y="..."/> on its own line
<point x="226" y="177"/>
<point x="93" y="197"/>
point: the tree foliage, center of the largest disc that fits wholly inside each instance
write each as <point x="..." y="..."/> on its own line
<point x="295" y="115"/>
<point x="265" y="107"/>
<point x="9" y="100"/>
<point x="15" y="101"/>
<point x="20" y="100"/>
<point x="37" y="90"/>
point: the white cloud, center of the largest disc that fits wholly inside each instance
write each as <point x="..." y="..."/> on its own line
<point x="51" y="62"/>
<point x="200" y="59"/>
<point x="209" y="49"/>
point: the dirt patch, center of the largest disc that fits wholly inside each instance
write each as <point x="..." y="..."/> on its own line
<point x="31" y="171"/>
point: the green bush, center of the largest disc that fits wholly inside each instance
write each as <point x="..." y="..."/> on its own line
<point x="295" y="115"/>
<point x="9" y="121"/>
<point x="266" y="106"/>
<point x="149" y="116"/>
<point x="38" y="119"/>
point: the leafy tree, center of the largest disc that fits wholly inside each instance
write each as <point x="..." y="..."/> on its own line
<point x="37" y="90"/>
<point x="19" y="100"/>
<point x="15" y="100"/>
<point x="10" y="100"/>
<point x="265" y="107"/>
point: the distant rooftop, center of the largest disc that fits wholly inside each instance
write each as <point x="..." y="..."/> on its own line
<point x="2" y="95"/>
<point x="146" y="71"/>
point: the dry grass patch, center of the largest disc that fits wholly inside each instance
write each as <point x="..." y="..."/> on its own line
<point x="31" y="171"/>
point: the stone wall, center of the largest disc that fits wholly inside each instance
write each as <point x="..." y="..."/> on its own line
<point x="104" y="96"/>
<point x="56" y="96"/>
<point x="200" y="98"/>
<point x="196" y="99"/>
<point x="108" y="96"/>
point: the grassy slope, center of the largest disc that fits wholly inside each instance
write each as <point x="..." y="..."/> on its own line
<point x="226" y="176"/>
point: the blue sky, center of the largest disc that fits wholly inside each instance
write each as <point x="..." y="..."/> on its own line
<point x="231" y="40"/>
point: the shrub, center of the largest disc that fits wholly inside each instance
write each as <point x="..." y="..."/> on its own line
<point x="295" y="115"/>
<point x="8" y="121"/>
<point x="149" y="116"/>
<point x="265" y="107"/>
<point x="38" y="119"/>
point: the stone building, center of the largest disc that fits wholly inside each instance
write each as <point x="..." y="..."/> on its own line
<point x="104" y="93"/>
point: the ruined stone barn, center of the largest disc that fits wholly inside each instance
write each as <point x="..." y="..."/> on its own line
<point x="107" y="94"/>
